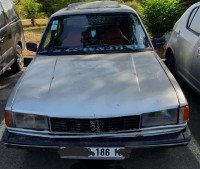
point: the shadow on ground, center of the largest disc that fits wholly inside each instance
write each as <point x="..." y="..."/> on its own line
<point x="193" y="99"/>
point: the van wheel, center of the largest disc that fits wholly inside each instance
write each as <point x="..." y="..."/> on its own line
<point x="170" y="62"/>
<point x="19" y="61"/>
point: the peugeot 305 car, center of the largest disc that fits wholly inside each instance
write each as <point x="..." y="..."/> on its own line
<point x="96" y="88"/>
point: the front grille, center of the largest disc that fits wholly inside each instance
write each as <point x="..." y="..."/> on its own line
<point x="101" y="125"/>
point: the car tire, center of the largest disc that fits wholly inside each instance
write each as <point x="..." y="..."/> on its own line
<point x="19" y="60"/>
<point x="170" y="62"/>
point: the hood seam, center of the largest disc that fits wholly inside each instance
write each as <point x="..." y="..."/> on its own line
<point x="52" y="77"/>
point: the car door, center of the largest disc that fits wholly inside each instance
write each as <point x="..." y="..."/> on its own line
<point x="186" y="44"/>
<point x="196" y="65"/>
<point x="195" y="27"/>
<point x="2" y="38"/>
<point x="8" y="47"/>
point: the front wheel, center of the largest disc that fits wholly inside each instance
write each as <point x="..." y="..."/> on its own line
<point x="170" y="62"/>
<point x="19" y="61"/>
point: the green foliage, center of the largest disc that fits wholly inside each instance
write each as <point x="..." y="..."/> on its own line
<point x="120" y="1"/>
<point x="30" y="8"/>
<point x="134" y="4"/>
<point x="20" y="10"/>
<point x="51" y="6"/>
<point x="161" y="15"/>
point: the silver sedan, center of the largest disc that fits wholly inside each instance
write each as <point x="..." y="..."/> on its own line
<point x="183" y="48"/>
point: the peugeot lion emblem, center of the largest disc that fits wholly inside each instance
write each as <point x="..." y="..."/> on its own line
<point x="95" y="126"/>
<point x="93" y="33"/>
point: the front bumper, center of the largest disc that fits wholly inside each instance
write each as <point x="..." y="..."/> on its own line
<point x="35" y="142"/>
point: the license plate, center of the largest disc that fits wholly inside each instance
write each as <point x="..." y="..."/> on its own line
<point x="106" y="152"/>
<point x="92" y="152"/>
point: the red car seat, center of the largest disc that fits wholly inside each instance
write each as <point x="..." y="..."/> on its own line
<point x="112" y="37"/>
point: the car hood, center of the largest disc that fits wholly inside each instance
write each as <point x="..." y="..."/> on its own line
<point x="95" y="86"/>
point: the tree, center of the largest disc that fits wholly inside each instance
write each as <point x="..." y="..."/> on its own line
<point x="161" y="15"/>
<point x="51" y="6"/>
<point x="133" y="4"/>
<point x="30" y="9"/>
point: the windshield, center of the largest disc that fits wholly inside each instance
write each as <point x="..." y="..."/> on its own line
<point x="94" y="34"/>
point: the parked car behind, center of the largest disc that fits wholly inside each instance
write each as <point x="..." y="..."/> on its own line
<point x="11" y="38"/>
<point x="96" y="88"/>
<point x="183" y="48"/>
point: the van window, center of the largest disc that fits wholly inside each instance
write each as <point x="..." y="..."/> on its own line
<point x="9" y="9"/>
<point x="2" y="18"/>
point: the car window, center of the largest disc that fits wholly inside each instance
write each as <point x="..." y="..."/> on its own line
<point x="2" y="18"/>
<point x="194" y="11"/>
<point x="194" y="23"/>
<point x="94" y="33"/>
<point x="9" y="9"/>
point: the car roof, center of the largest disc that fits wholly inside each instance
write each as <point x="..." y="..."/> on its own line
<point x="94" y="7"/>
<point x="184" y="18"/>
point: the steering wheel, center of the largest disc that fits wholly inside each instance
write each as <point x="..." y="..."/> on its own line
<point x="117" y="37"/>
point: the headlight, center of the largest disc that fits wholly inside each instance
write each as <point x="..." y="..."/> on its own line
<point x="28" y="121"/>
<point x="159" y="118"/>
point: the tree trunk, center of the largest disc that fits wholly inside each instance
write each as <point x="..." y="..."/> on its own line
<point x="33" y="22"/>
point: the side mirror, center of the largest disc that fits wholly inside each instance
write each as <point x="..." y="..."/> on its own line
<point x="158" y="42"/>
<point x="31" y="46"/>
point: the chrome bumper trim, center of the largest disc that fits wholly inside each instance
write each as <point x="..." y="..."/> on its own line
<point x="153" y="131"/>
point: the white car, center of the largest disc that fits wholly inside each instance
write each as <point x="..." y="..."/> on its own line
<point x="183" y="48"/>
<point x="96" y="88"/>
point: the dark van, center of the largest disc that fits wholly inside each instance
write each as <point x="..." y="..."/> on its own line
<point x="11" y="38"/>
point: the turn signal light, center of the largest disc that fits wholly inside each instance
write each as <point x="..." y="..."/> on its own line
<point x="186" y="114"/>
<point x="7" y="118"/>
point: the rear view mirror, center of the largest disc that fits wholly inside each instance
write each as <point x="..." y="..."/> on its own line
<point x="158" y="42"/>
<point x="31" y="46"/>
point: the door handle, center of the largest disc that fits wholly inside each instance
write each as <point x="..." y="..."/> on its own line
<point x="1" y="40"/>
<point x="178" y="34"/>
